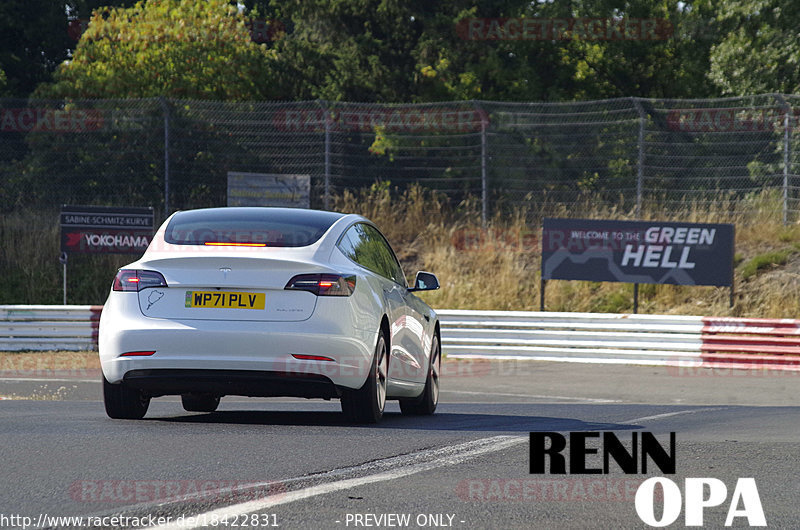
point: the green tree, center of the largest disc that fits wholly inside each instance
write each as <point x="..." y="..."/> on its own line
<point x="339" y="50"/>
<point x="33" y="41"/>
<point x="761" y="50"/>
<point x="390" y="51"/>
<point x="176" y="48"/>
<point x="540" y="68"/>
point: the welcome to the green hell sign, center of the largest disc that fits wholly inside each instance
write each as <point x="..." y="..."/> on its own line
<point x="656" y="252"/>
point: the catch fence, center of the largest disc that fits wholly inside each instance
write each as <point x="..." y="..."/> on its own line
<point x="637" y="155"/>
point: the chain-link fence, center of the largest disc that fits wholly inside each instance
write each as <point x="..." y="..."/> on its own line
<point x="630" y="153"/>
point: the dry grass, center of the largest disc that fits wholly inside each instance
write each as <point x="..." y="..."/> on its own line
<point x="492" y="267"/>
<point x="498" y="267"/>
<point x="29" y="250"/>
<point x="70" y="364"/>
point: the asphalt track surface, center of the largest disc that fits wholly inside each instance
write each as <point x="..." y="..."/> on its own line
<point x="262" y="463"/>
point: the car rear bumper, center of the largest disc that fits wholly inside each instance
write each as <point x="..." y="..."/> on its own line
<point x="212" y="345"/>
<point x="231" y="382"/>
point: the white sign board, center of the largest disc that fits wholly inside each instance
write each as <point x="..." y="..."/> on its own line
<point x="269" y="189"/>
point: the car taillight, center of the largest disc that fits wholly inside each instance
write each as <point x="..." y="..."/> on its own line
<point x="323" y="284"/>
<point x="134" y="280"/>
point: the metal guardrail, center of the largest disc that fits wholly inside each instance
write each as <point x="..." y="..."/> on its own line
<point x="49" y="327"/>
<point x="622" y="338"/>
<point x="578" y="337"/>
<point x="547" y="336"/>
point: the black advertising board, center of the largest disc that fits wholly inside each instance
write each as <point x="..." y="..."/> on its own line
<point x="105" y="229"/>
<point x="638" y="252"/>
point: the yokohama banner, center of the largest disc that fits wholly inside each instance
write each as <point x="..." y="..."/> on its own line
<point x="637" y="252"/>
<point x="100" y="229"/>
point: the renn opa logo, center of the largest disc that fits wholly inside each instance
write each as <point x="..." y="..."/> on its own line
<point x="585" y="458"/>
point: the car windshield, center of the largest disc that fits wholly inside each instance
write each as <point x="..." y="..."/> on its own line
<point x="263" y="227"/>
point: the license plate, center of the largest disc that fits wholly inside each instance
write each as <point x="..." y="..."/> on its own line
<point x="225" y="300"/>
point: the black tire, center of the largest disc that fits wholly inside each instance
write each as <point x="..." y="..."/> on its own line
<point x="366" y="404"/>
<point x="425" y="404"/>
<point x="123" y="402"/>
<point x="199" y="402"/>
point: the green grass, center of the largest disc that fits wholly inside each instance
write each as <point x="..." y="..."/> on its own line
<point x="764" y="261"/>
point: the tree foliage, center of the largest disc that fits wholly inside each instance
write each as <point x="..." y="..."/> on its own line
<point x="178" y="48"/>
<point x="33" y="41"/>
<point x="761" y="50"/>
<point x="385" y="50"/>
<point x="392" y="50"/>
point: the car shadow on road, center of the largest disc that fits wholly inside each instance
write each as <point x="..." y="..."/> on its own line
<point x="463" y="422"/>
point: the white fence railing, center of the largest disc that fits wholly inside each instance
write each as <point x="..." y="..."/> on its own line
<point x="579" y="337"/>
<point x="576" y="337"/>
<point x="49" y="327"/>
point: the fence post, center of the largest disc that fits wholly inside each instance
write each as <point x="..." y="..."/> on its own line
<point x="327" y="147"/>
<point x="165" y="108"/>
<point x="484" y="177"/>
<point x="786" y="146"/>
<point x="786" y="168"/>
<point x="640" y="158"/>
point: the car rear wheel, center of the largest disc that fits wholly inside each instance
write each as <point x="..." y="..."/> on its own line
<point x="426" y="403"/>
<point x="199" y="402"/>
<point x="366" y="404"/>
<point x="123" y="402"/>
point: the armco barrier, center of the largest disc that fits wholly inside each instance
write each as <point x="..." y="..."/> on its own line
<point x="577" y="337"/>
<point x="622" y="338"/>
<point x="49" y="327"/>
<point x="574" y="337"/>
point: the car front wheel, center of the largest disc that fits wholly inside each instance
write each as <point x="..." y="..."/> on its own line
<point x="426" y="403"/>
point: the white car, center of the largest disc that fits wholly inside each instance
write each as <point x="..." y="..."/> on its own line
<point x="269" y="302"/>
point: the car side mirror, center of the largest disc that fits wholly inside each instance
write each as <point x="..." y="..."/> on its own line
<point x="425" y="281"/>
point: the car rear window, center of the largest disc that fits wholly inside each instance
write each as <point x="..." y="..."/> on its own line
<point x="270" y="227"/>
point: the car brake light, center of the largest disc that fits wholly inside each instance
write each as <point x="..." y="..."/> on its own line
<point x="136" y="280"/>
<point x="231" y="244"/>
<point x="323" y="284"/>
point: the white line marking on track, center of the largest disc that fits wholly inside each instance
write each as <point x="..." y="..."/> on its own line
<point x="73" y="380"/>
<point x="670" y="414"/>
<point x="588" y="400"/>
<point x="405" y="465"/>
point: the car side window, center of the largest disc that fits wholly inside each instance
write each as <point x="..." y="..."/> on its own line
<point x="347" y="246"/>
<point x="393" y="268"/>
<point x="365" y="245"/>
